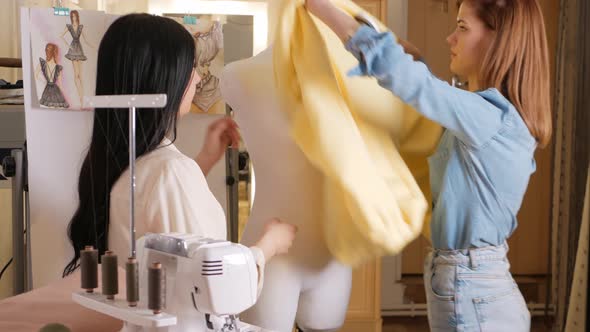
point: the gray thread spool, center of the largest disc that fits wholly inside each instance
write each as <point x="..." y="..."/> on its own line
<point x="89" y="267"/>
<point x="132" y="281"/>
<point x="110" y="277"/>
<point x="156" y="288"/>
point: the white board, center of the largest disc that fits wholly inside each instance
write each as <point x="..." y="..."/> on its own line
<point x="72" y="49"/>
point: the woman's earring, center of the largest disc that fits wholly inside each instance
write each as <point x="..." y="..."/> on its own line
<point x="457" y="83"/>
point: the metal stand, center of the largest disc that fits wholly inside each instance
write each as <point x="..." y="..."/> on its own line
<point x="232" y="183"/>
<point x="18" y="240"/>
<point x="14" y="166"/>
<point x="132" y="102"/>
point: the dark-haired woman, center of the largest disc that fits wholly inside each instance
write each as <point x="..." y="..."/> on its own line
<point x="146" y="54"/>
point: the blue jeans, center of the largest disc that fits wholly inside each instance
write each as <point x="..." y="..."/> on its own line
<point x="473" y="290"/>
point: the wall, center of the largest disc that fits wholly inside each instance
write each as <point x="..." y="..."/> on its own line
<point x="10" y="32"/>
<point x="397" y="17"/>
<point x="122" y="7"/>
<point x="9" y="39"/>
<point x="10" y="35"/>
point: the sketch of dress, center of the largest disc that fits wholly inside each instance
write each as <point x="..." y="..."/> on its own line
<point x="75" y="52"/>
<point x="52" y="95"/>
<point x="207" y="46"/>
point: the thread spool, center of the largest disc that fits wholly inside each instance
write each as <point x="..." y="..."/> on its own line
<point x="156" y="288"/>
<point x="89" y="267"/>
<point x="132" y="281"/>
<point x="110" y="277"/>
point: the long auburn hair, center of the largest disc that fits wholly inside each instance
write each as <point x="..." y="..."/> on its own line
<point x="76" y="14"/>
<point x="51" y="52"/>
<point x="517" y="61"/>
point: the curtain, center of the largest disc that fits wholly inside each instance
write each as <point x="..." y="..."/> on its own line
<point x="577" y="309"/>
<point x="572" y="124"/>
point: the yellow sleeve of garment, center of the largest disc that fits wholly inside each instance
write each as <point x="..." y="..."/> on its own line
<point x="370" y="147"/>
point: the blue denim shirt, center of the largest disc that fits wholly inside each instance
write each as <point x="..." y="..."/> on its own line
<point x="481" y="168"/>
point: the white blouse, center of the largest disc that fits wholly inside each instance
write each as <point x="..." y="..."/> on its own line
<point x="171" y="195"/>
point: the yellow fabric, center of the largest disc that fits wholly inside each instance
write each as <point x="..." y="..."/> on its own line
<point x="351" y="130"/>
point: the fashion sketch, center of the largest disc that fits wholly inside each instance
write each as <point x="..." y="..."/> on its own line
<point x="207" y="34"/>
<point x="208" y="46"/>
<point x="49" y="68"/>
<point x="75" y="51"/>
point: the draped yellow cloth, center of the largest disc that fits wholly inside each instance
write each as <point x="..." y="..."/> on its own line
<point x="369" y="145"/>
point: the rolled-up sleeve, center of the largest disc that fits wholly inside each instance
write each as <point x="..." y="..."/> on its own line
<point x="468" y="115"/>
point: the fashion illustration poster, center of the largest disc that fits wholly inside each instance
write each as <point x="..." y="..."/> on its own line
<point x="208" y="37"/>
<point x="64" y="51"/>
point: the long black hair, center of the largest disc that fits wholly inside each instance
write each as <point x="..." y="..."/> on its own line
<point x="139" y="54"/>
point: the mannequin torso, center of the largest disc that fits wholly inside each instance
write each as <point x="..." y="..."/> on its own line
<point x="307" y="285"/>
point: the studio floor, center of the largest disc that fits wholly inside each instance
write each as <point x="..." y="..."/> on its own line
<point x="420" y="324"/>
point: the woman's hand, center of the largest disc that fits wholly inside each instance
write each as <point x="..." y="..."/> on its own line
<point x="221" y="134"/>
<point x="277" y="238"/>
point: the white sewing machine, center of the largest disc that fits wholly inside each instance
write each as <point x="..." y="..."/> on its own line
<point x="208" y="283"/>
<point x="217" y="278"/>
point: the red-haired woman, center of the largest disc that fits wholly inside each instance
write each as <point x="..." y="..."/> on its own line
<point x="481" y="170"/>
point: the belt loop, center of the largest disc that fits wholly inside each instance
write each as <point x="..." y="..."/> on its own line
<point x="432" y="258"/>
<point x="473" y="259"/>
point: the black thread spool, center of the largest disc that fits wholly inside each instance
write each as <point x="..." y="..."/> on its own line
<point x="89" y="267"/>
<point x="110" y="277"/>
<point x="156" y="288"/>
<point x="132" y="281"/>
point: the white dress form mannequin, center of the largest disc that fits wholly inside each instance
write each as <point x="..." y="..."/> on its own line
<point x="307" y="285"/>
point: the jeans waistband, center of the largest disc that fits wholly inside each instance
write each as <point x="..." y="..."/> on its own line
<point x="471" y="257"/>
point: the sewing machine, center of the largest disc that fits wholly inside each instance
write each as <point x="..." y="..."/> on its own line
<point x="208" y="283"/>
<point x="217" y="278"/>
